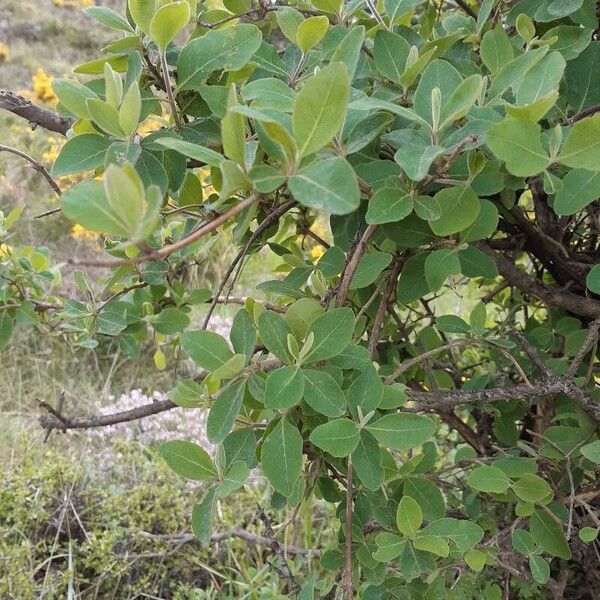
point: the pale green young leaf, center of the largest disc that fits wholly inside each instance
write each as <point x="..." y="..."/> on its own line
<point x="311" y="31"/>
<point x="320" y="108"/>
<point x="581" y="149"/>
<point x="517" y="142"/>
<point x="73" y="96"/>
<point x="409" y="517"/>
<point x="168" y="21"/>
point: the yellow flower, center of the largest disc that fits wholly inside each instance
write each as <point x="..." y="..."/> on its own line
<point x="5" y="250"/>
<point x="82" y="234"/>
<point x="316" y="252"/>
<point x="42" y="87"/>
<point x="152" y="123"/>
<point x="4" y="53"/>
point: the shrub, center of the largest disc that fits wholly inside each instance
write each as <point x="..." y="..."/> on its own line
<point x="454" y="152"/>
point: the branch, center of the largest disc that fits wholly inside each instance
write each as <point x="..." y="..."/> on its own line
<point x="269" y="220"/>
<point x="285" y="572"/>
<point x="242" y="534"/>
<point x="578" y="305"/>
<point x="38" y="166"/>
<point x="166" y="251"/>
<point x="588" y="112"/>
<point x="37" y="115"/>
<point x="462" y="4"/>
<point x="352" y="263"/>
<point x="347" y="586"/>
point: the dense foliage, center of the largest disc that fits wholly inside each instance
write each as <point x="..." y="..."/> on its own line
<point x="455" y="152"/>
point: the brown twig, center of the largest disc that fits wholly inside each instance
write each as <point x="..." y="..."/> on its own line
<point x="166" y="251"/>
<point x="38" y="115"/>
<point x="39" y="167"/>
<point x="347" y="586"/>
<point x="352" y="263"/>
<point x="279" y="550"/>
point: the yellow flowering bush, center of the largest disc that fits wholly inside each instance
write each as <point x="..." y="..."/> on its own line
<point x="4" y="53"/>
<point x="77" y="4"/>
<point x="80" y="233"/>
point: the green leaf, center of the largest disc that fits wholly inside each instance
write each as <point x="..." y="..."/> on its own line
<point x="108" y="17"/>
<point x="402" y="431"/>
<point x="496" y="49"/>
<point x="233" y="131"/>
<point x="532" y="488"/>
<point x="105" y="116"/>
<point x="522" y="541"/>
<point x="549" y="534"/>
<point x="369" y="269"/>
<point x="332" y="332"/>
<point x="274" y="331"/>
<point x="187" y="393"/>
<point x="86" y="204"/>
<point x="281" y="457"/>
<point x="581" y="149"/>
<point x="233" y="479"/>
<point x="243" y="334"/>
<point x="195" y="151"/>
<point x="416" y="153"/>
<point x="460" y="207"/>
<point x="338" y="438"/>
<point x="428" y="496"/>
<point x="593" y="279"/>
<point x="224" y="411"/>
<point x="73" y="96"/>
<point x="170" y="321"/>
<point x="203" y="516"/>
<point x="388" y="205"/>
<point x="409" y="517"/>
<point x="323" y="394"/>
<point x="84" y="152"/>
<point x="542" y="79"/>
<point x="329" y="185"/>
<point x="440" y="265"/>
<point x="289" y="20"/>
<point x="588" y="534"/>
<point x="396" y="8"/>
<point x="412" y="284"/>
<point x="365" y="391"/>
<point x="488" y="479"/>
<point x="389" y="547"/>
<point x="464" y="534"/>
<point x="580" y="188"/>
<point x="130" y="110"/>
<point x="475" y="559"/>
<point x="415" y="562"/>
<point x="320" y="108"/>
<point x="311" y="31"/>
<point x="517" y="142"/>
<point x="540" y="569"/>
<point x="284" y="388"/>
<point x="270" y="93"/>
<point x="142" y="12"/>
<point x="227" y="49"/>
<point x="390" y="52"/>
<point x="433" y="544"/>
<point x="462" y="99"/>
<point x="188" y="460"/>
<point x="207" y="349"/>
<point x="366" y="461"/>
<point x="592" y="451"/>
<point x="168" y="21"/>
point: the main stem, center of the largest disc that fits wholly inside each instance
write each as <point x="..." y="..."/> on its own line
<point x="165" y="70"/>
<point x="347" y="588"/>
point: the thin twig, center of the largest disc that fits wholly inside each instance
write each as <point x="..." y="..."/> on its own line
<point x="347" y="586"/>
<point x="166" y="251"/>
<point x="39" y="167"/>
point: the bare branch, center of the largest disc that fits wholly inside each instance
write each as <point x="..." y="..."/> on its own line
<point x="589" y="342"/>
<point x="38" y="115"/>
<point x="579" y="305"/>
<point x="38" y="166"/>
